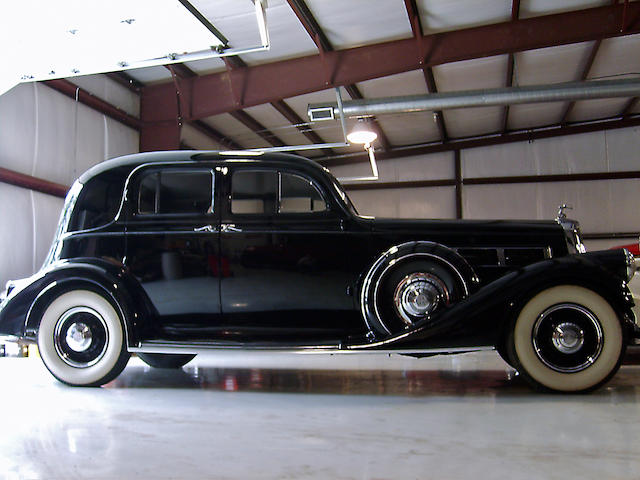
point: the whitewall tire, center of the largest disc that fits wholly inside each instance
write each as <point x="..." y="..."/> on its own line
<point x="81" y="339"/>
<point x="567" y="339"/>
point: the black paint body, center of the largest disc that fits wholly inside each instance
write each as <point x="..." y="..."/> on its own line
<point x="283" y="279"/>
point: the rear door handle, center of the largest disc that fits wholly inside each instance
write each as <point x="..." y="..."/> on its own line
<point x="206" y="228"/>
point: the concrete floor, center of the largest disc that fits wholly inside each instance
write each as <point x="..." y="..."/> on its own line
<point x="246" y="416"/>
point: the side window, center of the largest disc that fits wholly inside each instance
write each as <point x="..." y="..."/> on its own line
<point x="262" y="192"/>
<point x="176" y="192"/>
<point x="254" y="192"/>
<point x="298" y="195"/>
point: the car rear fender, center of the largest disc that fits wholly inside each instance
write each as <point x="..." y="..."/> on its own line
<point x="120" y="288"/>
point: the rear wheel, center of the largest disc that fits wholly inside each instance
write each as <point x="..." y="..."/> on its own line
<point x="81" y="339"/>
<point x="567" y="339"/>
<point x="166" y="360"/>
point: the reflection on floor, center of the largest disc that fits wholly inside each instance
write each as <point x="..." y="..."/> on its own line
<point x="242" y="415"/>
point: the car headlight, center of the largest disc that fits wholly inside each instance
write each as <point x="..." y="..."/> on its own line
<point x="632" y="266"/>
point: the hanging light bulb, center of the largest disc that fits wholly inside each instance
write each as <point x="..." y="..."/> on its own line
<point x="362" y="133"/>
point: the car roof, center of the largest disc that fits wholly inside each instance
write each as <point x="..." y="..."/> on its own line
<point x="187" y="156"/>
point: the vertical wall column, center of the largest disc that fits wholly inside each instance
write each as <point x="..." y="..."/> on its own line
<point x="161" y="113"/>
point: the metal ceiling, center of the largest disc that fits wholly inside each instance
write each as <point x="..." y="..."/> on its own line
<point x="381" y="48"/>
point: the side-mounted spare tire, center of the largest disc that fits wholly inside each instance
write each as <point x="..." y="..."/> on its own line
<point x="567" y="338"/>
<point x="81" y="339"/>
<point x="409" y="283"/>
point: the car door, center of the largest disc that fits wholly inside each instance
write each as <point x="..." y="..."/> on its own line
<point x="173" y="247"/>
<point x="289" y="271"/>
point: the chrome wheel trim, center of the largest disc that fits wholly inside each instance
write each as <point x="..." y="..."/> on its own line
<point x="71" y="337"/>
<point x="79" y="337"/>
<point x="418" y="295"/>
<point x="567" y="337"/>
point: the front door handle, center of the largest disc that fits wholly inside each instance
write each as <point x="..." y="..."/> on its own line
<point x="206" y="228"/>
<point x="230" y="227"/>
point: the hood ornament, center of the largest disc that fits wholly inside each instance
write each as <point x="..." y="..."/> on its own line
<point x="561" y="215"/>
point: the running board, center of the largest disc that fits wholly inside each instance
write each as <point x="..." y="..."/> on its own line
<point x="203" y="347"/>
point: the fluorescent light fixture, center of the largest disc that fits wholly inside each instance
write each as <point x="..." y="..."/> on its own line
<point x="234" y="153"/>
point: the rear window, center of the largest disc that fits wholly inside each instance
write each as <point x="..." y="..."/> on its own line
<point x="170" y="192"/>
<point x="99" y="201"/>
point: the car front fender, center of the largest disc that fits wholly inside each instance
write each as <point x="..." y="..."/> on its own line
<point x="485" y="316"/>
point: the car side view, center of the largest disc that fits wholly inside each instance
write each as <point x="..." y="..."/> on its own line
<point x="169" y="254"/>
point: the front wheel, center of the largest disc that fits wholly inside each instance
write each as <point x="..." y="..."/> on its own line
<point x="81" y="339"/>
<point x="567" y="339"/>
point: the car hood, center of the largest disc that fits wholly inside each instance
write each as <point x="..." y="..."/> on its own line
<point x="479" y="233"/>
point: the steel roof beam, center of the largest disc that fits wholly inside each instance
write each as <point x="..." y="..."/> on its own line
<point x="583" y="76"/>
<point x="183" y="71"/>
<point x="212" y="94"/>
<point x="259" y="129"/>
<point x="287" y="112"/>
<point x="631" y="104"/>
<point x="416" y="27"/>
<point x="355" y="94"/>
<point x="215" y="135"/>
<point x="126" y="81"/>
<point x="311" y="25"/>
<point x="22" y="180"/>
<point x="74" y="92"/>
<point x="511" y="61"/>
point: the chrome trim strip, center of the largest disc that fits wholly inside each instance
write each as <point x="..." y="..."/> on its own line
<point x="151" y="347"/>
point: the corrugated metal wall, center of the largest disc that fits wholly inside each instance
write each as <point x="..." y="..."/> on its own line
<point x="50" y="136"/>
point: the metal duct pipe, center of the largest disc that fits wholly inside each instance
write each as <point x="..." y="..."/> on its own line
<point x="478" y="98"/>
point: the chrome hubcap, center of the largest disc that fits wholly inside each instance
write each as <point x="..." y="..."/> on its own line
<point x="78" y="337"/>
<point x="81" y="337"/>
<point x="418" y="295"/>
<point x="567" y="337"/>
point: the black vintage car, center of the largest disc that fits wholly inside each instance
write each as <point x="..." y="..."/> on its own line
<point x="167" y="254"/>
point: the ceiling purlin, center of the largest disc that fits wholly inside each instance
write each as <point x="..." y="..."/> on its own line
<point x="305" y="74"/>
<point x="126" y="80"/>
<point x="323" y="44"/>
<point x="292" y="117"/>
<point x="515" y="14"/>
<point x="583" y="76"/>
<point x="418" y="33"/>
<point x="355" y="94"/>
<point x="183" y="71"/>
<point x="527" y="135"/>
<point x="215" y="135"/>
<point x="631" y="104"/>
<point x="235" y="62"/>
<point x="259" y="129"/>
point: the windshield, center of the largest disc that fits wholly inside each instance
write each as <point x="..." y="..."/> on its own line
<point x="342" y="194"/>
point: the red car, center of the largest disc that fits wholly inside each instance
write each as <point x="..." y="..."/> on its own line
<point x="634" y="248"/>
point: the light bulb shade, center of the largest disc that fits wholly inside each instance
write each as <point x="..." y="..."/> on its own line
<point x="362" y="133"/>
